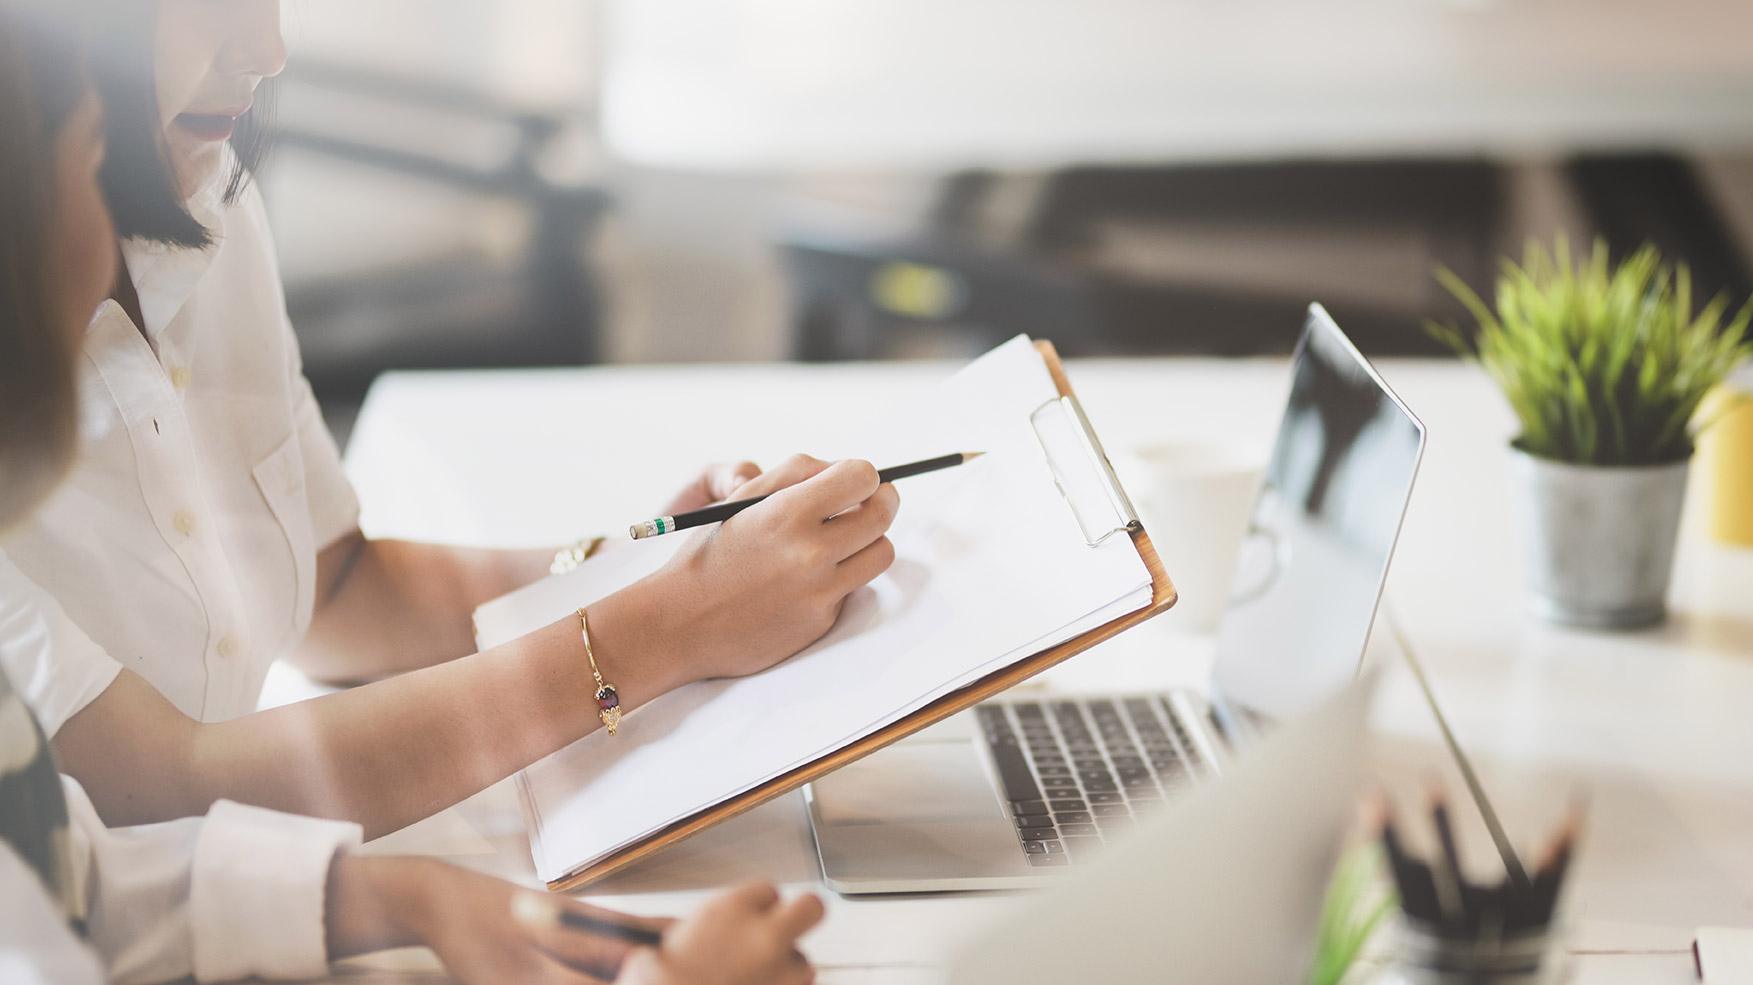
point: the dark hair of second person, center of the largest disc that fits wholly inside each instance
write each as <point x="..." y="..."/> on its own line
<point x="46" y="267"/>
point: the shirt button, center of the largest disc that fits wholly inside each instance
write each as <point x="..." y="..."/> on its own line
<point x="179" y="377"/>
<point x="227" y="647"/>
<point x="184" y="522"/>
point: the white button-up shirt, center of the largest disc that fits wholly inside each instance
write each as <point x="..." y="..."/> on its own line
<point x="184" y="545"/>
<point x="238" y="893"/>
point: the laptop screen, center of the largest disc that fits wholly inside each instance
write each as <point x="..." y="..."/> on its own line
<point x="1323" y="529"/>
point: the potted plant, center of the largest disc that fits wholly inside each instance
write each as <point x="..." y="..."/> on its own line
<point x="1604" y="366"/>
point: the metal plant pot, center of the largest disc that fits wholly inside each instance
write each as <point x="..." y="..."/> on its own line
<point x="1599" y="542"/>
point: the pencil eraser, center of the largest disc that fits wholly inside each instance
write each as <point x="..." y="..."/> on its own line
<point x="1724" y="955"/>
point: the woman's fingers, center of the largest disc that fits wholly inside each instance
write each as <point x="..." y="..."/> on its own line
<point x="793" y="969"/>
<point x="726" y="480"/>
<point x="715" y="483"/>
<point x="752" y="896"/>
<point x="836" y="489"/>
<point x="864" y="567"/>
<point x="802" y="973"/>
<point x="789" y="921"/>
<point x="796" y="469"/>
<point x="855" y="529"/>
<point x="795" y="917"/>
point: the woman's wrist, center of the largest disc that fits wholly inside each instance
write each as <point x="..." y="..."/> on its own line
<point x="375" y="903"/>
<point x="634" y="647"/>
<point x="634" y="643"/>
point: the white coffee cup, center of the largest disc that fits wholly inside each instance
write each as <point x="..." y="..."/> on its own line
<point x="1195" y="499"/>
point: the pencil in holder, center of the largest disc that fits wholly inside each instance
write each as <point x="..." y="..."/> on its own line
<point x="1453" y="931"/>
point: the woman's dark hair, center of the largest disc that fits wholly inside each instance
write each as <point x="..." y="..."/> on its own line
<point x="137" y="177"/>
<point x="41" y="83"/>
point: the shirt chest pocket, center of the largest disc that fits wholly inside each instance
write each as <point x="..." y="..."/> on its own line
<point x="280" y="477"/>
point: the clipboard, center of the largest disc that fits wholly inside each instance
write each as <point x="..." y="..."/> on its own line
<point x="1082" y="456"/>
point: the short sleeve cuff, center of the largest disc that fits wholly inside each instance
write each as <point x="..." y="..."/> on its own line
<point x="67" y="695"/>
<point x="53" y="665"/>
<point x="334" y="506"/>
<point x="258" y="892"/>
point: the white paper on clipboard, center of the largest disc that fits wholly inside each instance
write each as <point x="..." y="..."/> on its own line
<point x="992" y="566"/>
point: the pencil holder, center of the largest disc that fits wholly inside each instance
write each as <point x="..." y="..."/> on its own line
<point x="1423" y="955"/>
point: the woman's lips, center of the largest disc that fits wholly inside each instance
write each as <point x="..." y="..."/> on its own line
<point x="209" y="126"/>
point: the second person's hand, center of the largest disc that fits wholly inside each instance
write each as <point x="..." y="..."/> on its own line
<point x="747" y="936"/>
<point x="484" y="930"/>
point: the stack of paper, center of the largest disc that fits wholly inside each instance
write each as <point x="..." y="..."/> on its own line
<point x="991" y="566"/>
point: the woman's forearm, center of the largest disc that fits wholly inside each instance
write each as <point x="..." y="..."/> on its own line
<point x="754" y="592"/>
<point x="392" y="752"/>
<point x="385" y="754"/>
<point x="389" y="606"/>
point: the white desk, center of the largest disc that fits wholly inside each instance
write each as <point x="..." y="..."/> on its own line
<point x="1658" y="724"/>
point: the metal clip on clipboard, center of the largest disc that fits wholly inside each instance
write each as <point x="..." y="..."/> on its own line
<point x="1082" y="471"/>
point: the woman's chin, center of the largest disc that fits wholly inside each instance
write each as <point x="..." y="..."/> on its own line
<point x="197" y="163"/>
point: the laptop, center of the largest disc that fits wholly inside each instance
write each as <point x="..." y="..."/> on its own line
<point x="1216" y="889"/>
<point x="1039" y="787"/>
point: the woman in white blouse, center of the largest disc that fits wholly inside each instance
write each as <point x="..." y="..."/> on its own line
<point x="243" y="891"/>
<point x="208" y="528"/>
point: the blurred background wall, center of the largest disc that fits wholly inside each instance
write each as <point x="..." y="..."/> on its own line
<point x="575" y="181"/>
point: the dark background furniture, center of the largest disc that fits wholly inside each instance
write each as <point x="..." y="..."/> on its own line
<point x="464" y="304"/>
<point x="1109" y="262"/>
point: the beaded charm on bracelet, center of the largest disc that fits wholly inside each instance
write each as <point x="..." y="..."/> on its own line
<point x="607" y="698"/>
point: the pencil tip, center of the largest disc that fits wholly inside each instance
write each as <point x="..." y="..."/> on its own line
<point x="969" y="456"/>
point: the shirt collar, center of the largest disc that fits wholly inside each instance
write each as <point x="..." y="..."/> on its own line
<point x="165" y="277"/>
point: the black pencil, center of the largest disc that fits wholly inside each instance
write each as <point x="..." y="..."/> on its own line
<point x="538" y="910"/>
<point x="1411" y="877"/>
<point x="609" y="928"/>
<point x="723" y="511"/>
<point x="1550" y="878"/>
<point x="1445" y="833"/>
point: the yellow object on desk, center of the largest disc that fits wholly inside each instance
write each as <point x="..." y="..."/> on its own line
<point x="1726" y="454"/>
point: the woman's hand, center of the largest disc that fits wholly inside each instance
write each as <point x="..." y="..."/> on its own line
<point x="762" y="585"/>
<point x="715" y="484"/>
<point x="486" y="931"/>
<point x="743" y="937"/>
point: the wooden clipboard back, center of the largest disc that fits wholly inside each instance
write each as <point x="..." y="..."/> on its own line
<point x="1162" y="598"/>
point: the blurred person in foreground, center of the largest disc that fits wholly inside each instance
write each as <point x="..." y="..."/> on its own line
<point x="243" y="891"/>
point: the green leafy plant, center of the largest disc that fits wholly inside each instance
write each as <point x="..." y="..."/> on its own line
<point x="1602" y="364"/>
<point x="1357" y="903"/>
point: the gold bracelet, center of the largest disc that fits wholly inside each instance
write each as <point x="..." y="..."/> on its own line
<point x="574" y="554"/>
<point x="608" y="699"/>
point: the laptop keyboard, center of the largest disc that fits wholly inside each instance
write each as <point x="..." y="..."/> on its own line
<point x="1078" y="772"/>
